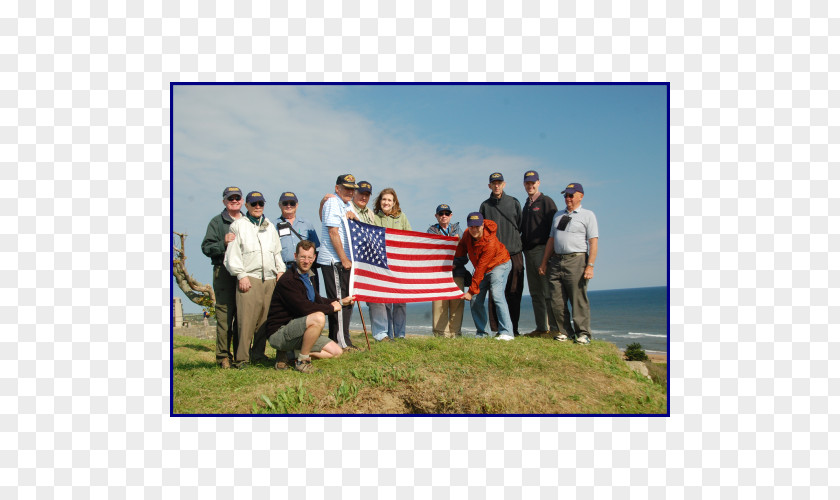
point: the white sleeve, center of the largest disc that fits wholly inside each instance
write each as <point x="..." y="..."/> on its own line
<point x="233" y="255"/>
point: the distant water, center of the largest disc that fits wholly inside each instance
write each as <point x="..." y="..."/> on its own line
<point x="618" y="316"/>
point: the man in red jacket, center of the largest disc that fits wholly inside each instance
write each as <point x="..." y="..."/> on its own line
<point x="297" y="314"/>
<point x="491" y="261"/>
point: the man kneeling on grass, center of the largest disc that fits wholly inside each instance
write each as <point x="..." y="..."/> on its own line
<point x="297" y="314"/>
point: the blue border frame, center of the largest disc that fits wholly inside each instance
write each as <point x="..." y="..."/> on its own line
<point x="249" y="415"/>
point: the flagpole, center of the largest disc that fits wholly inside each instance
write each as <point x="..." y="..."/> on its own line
<point x="363" y="324"/>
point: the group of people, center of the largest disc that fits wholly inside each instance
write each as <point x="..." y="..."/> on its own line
<point x="267" y="290"/>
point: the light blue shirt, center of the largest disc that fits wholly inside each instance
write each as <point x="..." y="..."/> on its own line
<point x="334" y="214"/>
<point x="575" y="238"/>
<point x="289" y="240"/>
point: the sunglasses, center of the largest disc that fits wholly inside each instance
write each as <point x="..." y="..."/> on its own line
<point x="258" y="204"/>
<point x="289" y="203"/>
<point x="234" y="198"/>
<point x="447" y="214"/>
<point x="567" y="195"/>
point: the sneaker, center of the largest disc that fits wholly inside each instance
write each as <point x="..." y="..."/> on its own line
<point x="385" y="339"/>
<point x="304" y="366"/>
<point x="504" y="337"/>
<point x="562" y="337"/>
<point x="583" y="339"/>
<point x="281" y="365"/>
<point x="481" y="335"/>
<point x="224" y="364"/>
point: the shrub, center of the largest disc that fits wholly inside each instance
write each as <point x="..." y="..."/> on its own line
<point x="634" y="352"/>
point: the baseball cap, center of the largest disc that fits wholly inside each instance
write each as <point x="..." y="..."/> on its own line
<point x="231" y="190"/>
<point x="475" y="219"/>
<point x="365" y="187"/>
<point x="288" y="196"/>
<point x="254" y="196"/>
<point x="347" y="180"/>
<point x="443" y="208"/>
<point x="573" y="188"/>
<point x="496" y="176"/>
<point x="531" y="176"/>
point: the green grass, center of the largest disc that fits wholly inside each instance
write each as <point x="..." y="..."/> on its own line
<point x="424" y="375"/>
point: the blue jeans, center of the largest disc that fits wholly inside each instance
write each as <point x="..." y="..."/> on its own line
<point x="387" y="320"/>
<point x="495" y="280"/>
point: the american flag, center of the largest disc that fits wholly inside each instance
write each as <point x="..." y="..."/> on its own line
<point x="390" y="265"/>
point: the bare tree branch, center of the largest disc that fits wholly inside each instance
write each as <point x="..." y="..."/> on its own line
<point x="199" y="293"/>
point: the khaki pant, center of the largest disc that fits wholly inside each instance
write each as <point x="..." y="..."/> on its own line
<point x="251" y="313"/>
<point x="565" y="274"/>
<point x="540" y="291"/>
<point x="447" y="315"/>
<point x="224" y="285"/>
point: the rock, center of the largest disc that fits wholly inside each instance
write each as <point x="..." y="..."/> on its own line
<point x="639" y="366"/>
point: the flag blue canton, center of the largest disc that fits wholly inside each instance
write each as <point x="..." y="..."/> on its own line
<point x="368" y="244"/>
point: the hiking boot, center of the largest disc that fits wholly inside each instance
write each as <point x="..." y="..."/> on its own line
<point x="537" y="333"/>
<point x="562" y="337"/>
<point x="281" y="365"/>
<point x="351" y="348"/>
<point x="304" y="366"/>
<point x="224" y="364"/>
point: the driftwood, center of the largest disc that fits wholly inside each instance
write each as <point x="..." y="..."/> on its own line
<point x="200" y="293"/>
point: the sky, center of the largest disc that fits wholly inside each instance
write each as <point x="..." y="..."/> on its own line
<point x="432" y="144"/>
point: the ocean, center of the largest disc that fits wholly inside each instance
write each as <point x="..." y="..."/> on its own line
<point x="618" y="316"/>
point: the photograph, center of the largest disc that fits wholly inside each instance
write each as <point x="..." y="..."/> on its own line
<point x="420" y="249"/>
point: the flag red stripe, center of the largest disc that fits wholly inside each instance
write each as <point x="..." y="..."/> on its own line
<point x="361" y="274"/>
<point x="405" y="256"/>
<point x="373" y="288"/>
<point x="426" y="246"/>
<point x="417" y="234"/>
<point x="430" y="269"/>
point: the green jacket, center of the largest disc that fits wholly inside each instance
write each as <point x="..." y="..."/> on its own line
<point x="213" y="245"/>
<point x="399" y="222"/>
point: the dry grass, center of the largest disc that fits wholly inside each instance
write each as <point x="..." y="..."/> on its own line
<point x="423" y="375"/>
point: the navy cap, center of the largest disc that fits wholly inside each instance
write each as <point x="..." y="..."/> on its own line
<point x="475" y="219"/>
<point x="496" y="176"/>
<point x="346" y="180"/>
<point x="531" y="176"/>
<point x="573" y="188"/>
<point x="443" y="208"/>
<point x="365" y="187"/>
<point x="288" y="196"/>
<point x="231" y="190"/>
<point x="254" y="196"/>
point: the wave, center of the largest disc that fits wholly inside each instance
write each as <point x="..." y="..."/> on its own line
<point x="634" y="334"/>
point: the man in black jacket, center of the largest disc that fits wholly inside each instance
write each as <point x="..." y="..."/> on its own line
<point x="297" y="314"/>
<point x="215" y="243"/>
<point x="506" y="212"/>
<point x="537" y="215"/>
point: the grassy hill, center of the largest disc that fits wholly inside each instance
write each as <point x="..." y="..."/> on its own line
<point x="423" y="375"/>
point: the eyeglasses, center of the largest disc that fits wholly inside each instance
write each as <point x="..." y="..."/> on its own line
<point x="289" y="203"/>
<point x="258" y="204"/>
<point x="567" y="195"/>
<point x="235" y="197"/>
<point x="444" y="214"/>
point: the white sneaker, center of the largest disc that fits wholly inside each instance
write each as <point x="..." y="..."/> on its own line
<point x="504" y="337"/>
<point x="583" y="339"/>
<point x="561" y="338"/>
